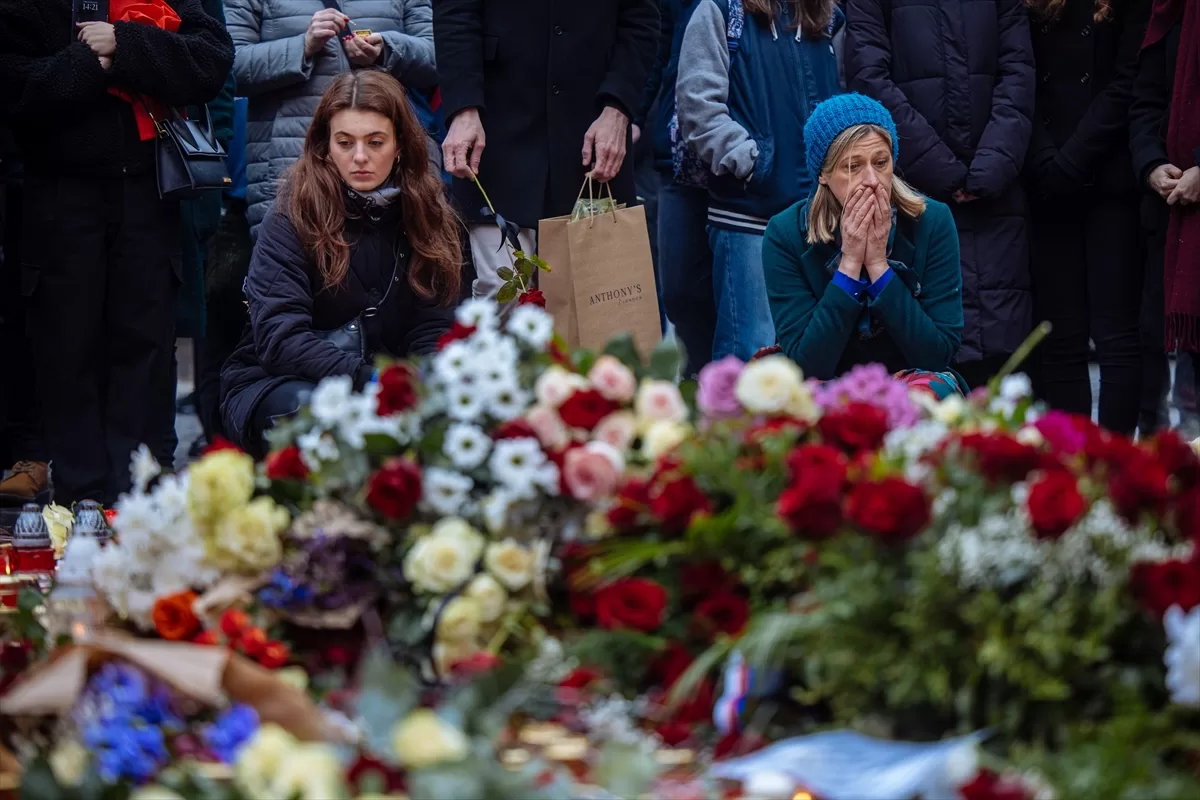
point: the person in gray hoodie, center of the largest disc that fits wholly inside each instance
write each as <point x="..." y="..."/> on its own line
<point x="289" y="52"/>
<point x="750" y="73"/>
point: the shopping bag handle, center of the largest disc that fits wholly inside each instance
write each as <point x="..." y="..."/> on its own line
<point x="587" y="186"/>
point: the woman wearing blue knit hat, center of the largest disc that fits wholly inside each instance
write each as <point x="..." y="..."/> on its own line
<point x="866" y="270"/>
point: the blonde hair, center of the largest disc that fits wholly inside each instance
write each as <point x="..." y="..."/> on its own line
<point x="824" y="210"/>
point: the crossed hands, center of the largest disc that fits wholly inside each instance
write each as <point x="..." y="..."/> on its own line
<point x="866" y="225"/>
<point x="102" y="38"/>
<point x="1176" y="186"/>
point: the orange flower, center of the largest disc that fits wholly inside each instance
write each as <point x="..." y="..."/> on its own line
<point x="173" y="616"/>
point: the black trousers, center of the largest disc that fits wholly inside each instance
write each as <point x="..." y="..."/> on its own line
<point x="1156" y="367"/>
<point x="1088" y="268"/>
<point x="105" y="259"/>
<point x="19" y="425"/>
<point x="281" y="402"/>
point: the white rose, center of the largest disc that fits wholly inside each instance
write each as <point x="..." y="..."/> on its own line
<point x="768" y="385"/>
<point x="309" y="772"/>
<point x="445" y="559"/>
<point x="459" y="530"/>
<point x="660" y="401"/>
<point x="459" y="620"/>
<point x="662" y="437"/>
<point x="423" y="739"/>
<point x="801" y="404"/>
<point x="555" y="385"/>
<point x="951" y="410"/>
<point x="511" y="563"/>
<point x="489" y="594"/>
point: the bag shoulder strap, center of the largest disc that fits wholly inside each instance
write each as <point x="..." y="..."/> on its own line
<point x="370" y="311"/>
<point x="735" y="21"/>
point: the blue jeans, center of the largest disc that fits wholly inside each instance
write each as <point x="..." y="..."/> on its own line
<point x="685" y="266"/>
<point x="744" y="323"/>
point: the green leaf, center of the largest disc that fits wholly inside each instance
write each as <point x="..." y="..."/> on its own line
<point x="525" y="268"/>
<point x="666" y="361"/>
<point x="507" y="293"/>
<point x="541" y="264"/>
<point x="623" y="349"/>
<point x="381" y="445"/>
<point x="505" y="274"/>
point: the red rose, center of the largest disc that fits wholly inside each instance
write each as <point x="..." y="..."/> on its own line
<point x="583" y="605"/>
<point x="812" y="504"/>
<point x="699" y="579"/>
<point x="397" y="390"/>
<point x="533" y="297"/>
<point x="635" y="603"/>
<point x="857" y="427"/>
<point x="1187" y="516"/>
<point x="368" y="772"/>
<point x="1001" y="457"/>
<point x="892" y="509"/>
<point x="585" y="408"/>
<point x="581" y="678"/>
<point x="1106" y="449"/>
<point x="395" y="489"/>
<point x="673" y="732"/>
<point x="457" y="332"/>
<point x="677" y="502"/>
<point x="286" y="465"/>
<point x="988" y="785"/>
<point x="670" y="664"/>
<point x="1055" y="504"/>
<point x="220" y="443"/>
<point x="575" y="558"/>
<point x="721" y="612"/>
<point x="1177" y="458"/>
<point x="514" y="429"/>
<point x="1138" y="485"/>
<point x="631" y="502"/>
<point x="1158" y="586"/>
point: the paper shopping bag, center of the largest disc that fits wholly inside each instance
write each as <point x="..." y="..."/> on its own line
<point x="601" y="282"/>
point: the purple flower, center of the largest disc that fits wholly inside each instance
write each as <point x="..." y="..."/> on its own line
<point x="715" y="395"/>
<point x="874" y="385"/>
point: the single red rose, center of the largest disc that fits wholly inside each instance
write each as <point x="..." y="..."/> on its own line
<point x="397" y="390"/>
<point x="1055" y="504"/>
<point x="395" y="489"/>
<point x="220" y="443"/>
<point x="110" y="516"/>
<point x="274" y="655"/>
<point x="989" y="785"/>
<point x="891" y="509"/>
<point x="252" y="642"/>
<point x="1158" y="586"/>
<point x="1139" y="485"/>
<point x="581" y="678"/>
<point x="677" y="503"/>
<point x="733" y="745"/>
<point x="1186" y="514"/>
<point x="673" y="732"/>
<point x="457" y="332"/>
<point x="671" y="663"/>
<point x="816" y="458"/>
<point x="286" y="465"/>
<point x="475" y="664"/>
<point x="233" y="622"/>
<point x="854" y="428"/>
<point x="364" y="767"/>
<point x="812" y="503"/>
<point x="1000" y="457"/>
<point x="1102" y="448"/>
<point x="634" y="603"/>
<point x="632" y="500"/>
<point x="585" y="408"/>
<point x="1177" y="458"/>
<point x="514" y="429"/>
<point x="721" y="612"/>
<point x="699" y="579"/>
<point x="532" y="297"/>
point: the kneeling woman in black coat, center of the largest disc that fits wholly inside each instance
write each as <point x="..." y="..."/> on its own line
<point x="361" y="255"/>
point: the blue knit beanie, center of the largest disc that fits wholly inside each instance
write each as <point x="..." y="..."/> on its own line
<point x="832" y="116"/>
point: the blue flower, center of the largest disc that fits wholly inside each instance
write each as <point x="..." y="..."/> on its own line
<point x="232" y="729"/>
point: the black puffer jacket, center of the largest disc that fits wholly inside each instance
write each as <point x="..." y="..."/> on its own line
<point x="958" y="78"/>
<point x="55" y="93"/>
<point x="287" y="304"/>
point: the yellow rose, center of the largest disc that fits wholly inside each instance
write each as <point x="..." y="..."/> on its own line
<point x="247" y="538"/>
<point x="309" y="772"/>
<point x="260" y="759"/>
<point x="459" y="620"/>
<point x="423" y="739"/>
<point x="489" y="594"/>
<point x="68" y="762"/>
<point x="60" y="521"/>
<point x="662" y="437"/>
<point x="219" y="483"/>
<point x="511" y="563"/>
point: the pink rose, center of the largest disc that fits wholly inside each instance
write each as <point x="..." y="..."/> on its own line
<point x="715" y="394"/>
<point x="617" y="429"/>
<point x="548" y="427"/>
<point x="592" y="472"/>
<point x="612" y="379"/>
<point x="660" y="401"/>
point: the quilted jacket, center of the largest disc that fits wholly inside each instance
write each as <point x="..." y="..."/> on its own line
<point x="284" y="87"/>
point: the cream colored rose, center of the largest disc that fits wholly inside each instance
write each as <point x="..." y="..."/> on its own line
<point x="489" y="594"/>
<point x="259" y="760"/>
<point x="247" y="538"/>
<point x="802" y="406"/>
<point x="659" y="401"/>
<point x="218" y="483"/>
<point x="663" y="437"/>
<point x="423" y="739"/>
<point x="310" y="771"/>
<point x="617" y="429"/>
<point x="768" y="385"/>
<point x="59" y="521"/>
<point x="445" y="559"/>
<point x="459" y="620"/>
<point x="511" y="563"/>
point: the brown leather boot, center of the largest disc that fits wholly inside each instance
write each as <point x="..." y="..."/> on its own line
<point x="29" y="482"/>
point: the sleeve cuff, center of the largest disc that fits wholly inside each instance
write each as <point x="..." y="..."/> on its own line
<point x="876" y="288"/>
<point x="850" y="286"/>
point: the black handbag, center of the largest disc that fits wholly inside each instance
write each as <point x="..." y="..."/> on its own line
<point x="189" y="159"/>
<point x="352" y="337"/>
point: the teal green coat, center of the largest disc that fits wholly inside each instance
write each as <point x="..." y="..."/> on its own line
<point x="919" y="315"/>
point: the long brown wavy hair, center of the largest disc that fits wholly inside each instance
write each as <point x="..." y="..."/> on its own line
<point x="314" y="192"/>
<point x="1049" y="10"/>
<point x="811" y="16"/>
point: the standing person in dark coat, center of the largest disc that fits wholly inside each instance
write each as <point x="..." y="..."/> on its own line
<point x="102" y="249"/>
<point x="959" y="80"/>
<point x="362" y="230"/>
<point x="538" y="92"/>
<point x="1088" y="248"/>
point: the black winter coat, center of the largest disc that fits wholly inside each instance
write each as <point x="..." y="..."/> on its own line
<point x="55" y="93"/>
<point x="287" y="304"/>
<point x="1085" y="71"/>
<point x="540" y="72"/>
<point x="958" y="78"/>
<point x="1148" y="118"/>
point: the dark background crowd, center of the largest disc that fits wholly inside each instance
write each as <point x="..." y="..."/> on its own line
<point x="1064" y="135"/>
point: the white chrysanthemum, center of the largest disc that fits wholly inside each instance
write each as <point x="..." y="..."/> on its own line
<point x="479" y="313"/>
<point x="494" y="348"/>
<point x="330" y="400"/>
<point x="446" y="491"/>
<point x="138" y="524"/>
<point x="467" y="446"/>
<point x="1183" y="655"/>
<point x="1016" y="388"/>
<point x="143" y="468"/>
<point x="769" y="385"/>
<point x="507" y="402"/>
<point x="532" y="325"/>
<point x="465" y="403"/>
<point x="494" y="510"/>
<point x="316" y="447"/>
<point x="515" y="463"/>
<point x="450" y="364"/>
